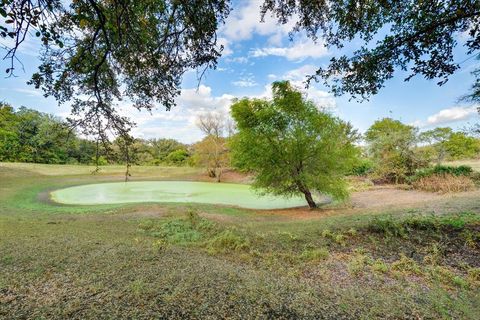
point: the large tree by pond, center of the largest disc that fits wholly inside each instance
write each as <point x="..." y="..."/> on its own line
<point x="291" y="146"/>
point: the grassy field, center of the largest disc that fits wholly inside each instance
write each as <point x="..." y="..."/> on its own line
<point x="143" y="261"/>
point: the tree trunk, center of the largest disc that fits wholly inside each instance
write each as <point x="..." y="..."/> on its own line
<point x="219" y="174"/>
<point x="308" y="197"/>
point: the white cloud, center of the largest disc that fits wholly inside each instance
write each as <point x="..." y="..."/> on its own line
<point x="244" y="21"/>
<point x="299" y="50"/>
<point x="179" y="122"/>
<point x="300" y="74"/>
<point x="25" y="91"/>
<point x="246" y="81"/>
<point x="238" y="59"/>
<point x="451" y="115"/>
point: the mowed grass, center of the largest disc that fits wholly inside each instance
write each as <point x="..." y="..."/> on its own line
<point x="143" y="261"/>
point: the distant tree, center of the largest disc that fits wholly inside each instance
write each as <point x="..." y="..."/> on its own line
<point x="43" y="138"/>
<point x="291" y="146"/>
<point x="437" y="138"/>
<point x="391" y="146"/>
<point x="461" y="146"/>
<point x="212" y="152"/>
<point x="9" y="142"/>
<point x="178" y="157"/>
<point x="28" y="135"/>
<point x="416" y="36"/>
<point x="161" y="148"/>
<point x="212" y="123"/>
<point x="82" y="151"/>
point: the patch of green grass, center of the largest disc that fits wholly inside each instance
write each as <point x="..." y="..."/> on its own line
<point x="379" y="266"/>
<point x="179" y="230"/>
<point x="358" y="263"/>
<point x="315" y="254"/>
<point x="406" y="266"/>
<point x="390" y="226"/>
<point x="446" y="276"/>
<point x="228" y="241"/>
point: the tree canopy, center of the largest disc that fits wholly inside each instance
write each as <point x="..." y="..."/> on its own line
<point x="437" y="138"/>
<point x="97" y="53"/>
<point x="292" y="146"/>
<point x="391" y="146"/>
<point x="411" y="35"/>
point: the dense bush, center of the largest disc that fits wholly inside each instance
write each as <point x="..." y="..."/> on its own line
<point x="462" y="146"/>
<point x="391" y="146"/>
<point x="442" y="170"/>
<point x="362" y="168"/>
<point x="30" y="136"/>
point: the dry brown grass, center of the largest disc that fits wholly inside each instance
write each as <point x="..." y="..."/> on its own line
<point x="444" y="183"/>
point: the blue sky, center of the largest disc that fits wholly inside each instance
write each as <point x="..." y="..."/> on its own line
<point x="255" y="55"/>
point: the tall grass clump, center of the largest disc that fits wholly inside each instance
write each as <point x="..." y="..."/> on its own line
<point x="191" y="228"/>
<point x="443" y="179"/>
<point x="228" y="241"/>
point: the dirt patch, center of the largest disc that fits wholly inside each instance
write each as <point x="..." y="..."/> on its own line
<point x="390" y="196"/>
<point x="387" y="198"/>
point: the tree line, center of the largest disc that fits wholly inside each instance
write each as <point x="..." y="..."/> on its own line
<point x="27" y="135"/>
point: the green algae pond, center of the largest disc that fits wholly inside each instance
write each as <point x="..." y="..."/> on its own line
<point x="172" y="191"/>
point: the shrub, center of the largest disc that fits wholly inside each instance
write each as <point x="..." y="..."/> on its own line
<point x="473" y="276"/>
<point x="193" y="228"/>
<point x="340" y="239"/>
<point x="390" y="227"/>
<point x="443" y="179"/>
<point x="379" y="266"/>
<point x="327" y="233"/>
<point x="406" y="265"/>
<point x="444" y="183"/>
<point x="387" y="226"/>
<point x="314" y="254"/>
<point x="227" y="240"/>
<point x="358" y="263"/>
<point x="442" y="170"/>
<point x="446" y="276"/>
<point x="362" y="168"/>
<point x="434" y="255"/>
<point x="475" y="176"/>
<point x="178" y="157"/>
